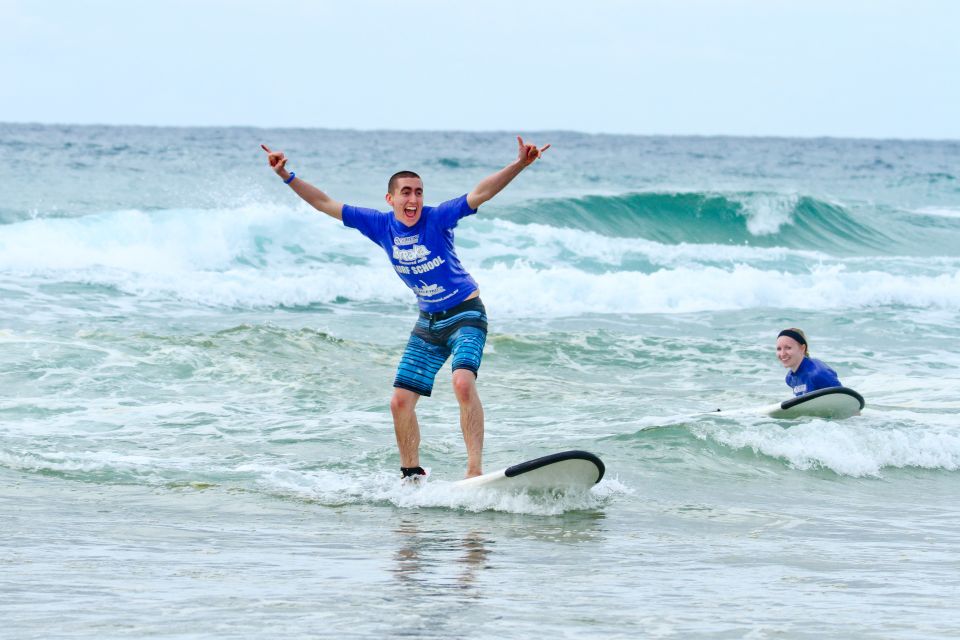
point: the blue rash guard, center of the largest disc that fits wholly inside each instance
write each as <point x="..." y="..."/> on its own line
<point x="812" y="374"/>
<point x="422" y="255"/>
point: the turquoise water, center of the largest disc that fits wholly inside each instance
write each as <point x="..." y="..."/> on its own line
<point x="194" y="432"/>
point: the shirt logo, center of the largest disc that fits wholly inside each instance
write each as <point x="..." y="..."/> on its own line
<point x="416" y="253"/>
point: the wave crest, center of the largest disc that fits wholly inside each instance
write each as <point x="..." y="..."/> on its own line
<point x="742" y="218"/>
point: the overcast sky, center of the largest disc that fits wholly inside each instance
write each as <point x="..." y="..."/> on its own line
<point x="852" y="68"/>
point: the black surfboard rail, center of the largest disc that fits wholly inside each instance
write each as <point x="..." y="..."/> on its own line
<point x="536" y="463"/>
<point x="792" y="402"/>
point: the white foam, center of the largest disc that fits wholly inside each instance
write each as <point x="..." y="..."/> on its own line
<point x="547" y="244"/>
<point x="267" y="256"/>
<point x="171" y="241"/>
<point x="79" y="461"/>
<point x="767" y="213"/>
<point x="332" y="489"/>
<point x="852" y="447"/>
<point x="939" y="212"/>
<point x="567" y="291"/>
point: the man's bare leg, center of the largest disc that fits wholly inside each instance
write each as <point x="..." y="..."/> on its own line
<point x="471" y="419"/>
<point x="403" y="407"/>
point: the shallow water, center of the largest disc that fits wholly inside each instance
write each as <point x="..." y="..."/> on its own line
<point x="194" y="432"/>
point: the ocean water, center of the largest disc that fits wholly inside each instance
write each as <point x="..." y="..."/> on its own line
<point x="195" y="439"/>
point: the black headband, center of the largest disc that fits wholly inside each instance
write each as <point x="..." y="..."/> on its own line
<point x="790" y="333"/>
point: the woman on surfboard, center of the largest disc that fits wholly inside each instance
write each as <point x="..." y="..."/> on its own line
<point x="806" y="374"/>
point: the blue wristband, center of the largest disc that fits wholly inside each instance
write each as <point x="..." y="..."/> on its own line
<point x="290" y="179"/>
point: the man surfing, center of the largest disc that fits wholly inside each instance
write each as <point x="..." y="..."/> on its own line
<point x="419" y="242"/>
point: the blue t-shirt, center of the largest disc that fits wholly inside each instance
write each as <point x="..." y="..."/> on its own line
<point x="812" y="374"/>
<point x="422" y="255"/>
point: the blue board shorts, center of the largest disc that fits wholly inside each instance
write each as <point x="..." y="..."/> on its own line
<point x="460" y="331"/>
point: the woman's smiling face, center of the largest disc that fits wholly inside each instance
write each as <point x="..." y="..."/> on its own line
<point x="790" y="352"/>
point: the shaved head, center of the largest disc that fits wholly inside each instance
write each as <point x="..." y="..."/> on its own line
<point x="392" y="184"/>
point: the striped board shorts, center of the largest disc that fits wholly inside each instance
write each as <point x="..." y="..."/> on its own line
<point x="460" y="331"/>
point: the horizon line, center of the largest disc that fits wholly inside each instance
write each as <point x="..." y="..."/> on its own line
<point x="779" y="136"/>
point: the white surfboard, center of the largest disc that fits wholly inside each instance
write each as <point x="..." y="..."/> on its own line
<point x="833" y="402"/>
<point x="567" y="470"/>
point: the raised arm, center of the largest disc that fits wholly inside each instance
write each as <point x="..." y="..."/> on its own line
<point x="313" y="196"/>
<point x="494" y="184"/>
